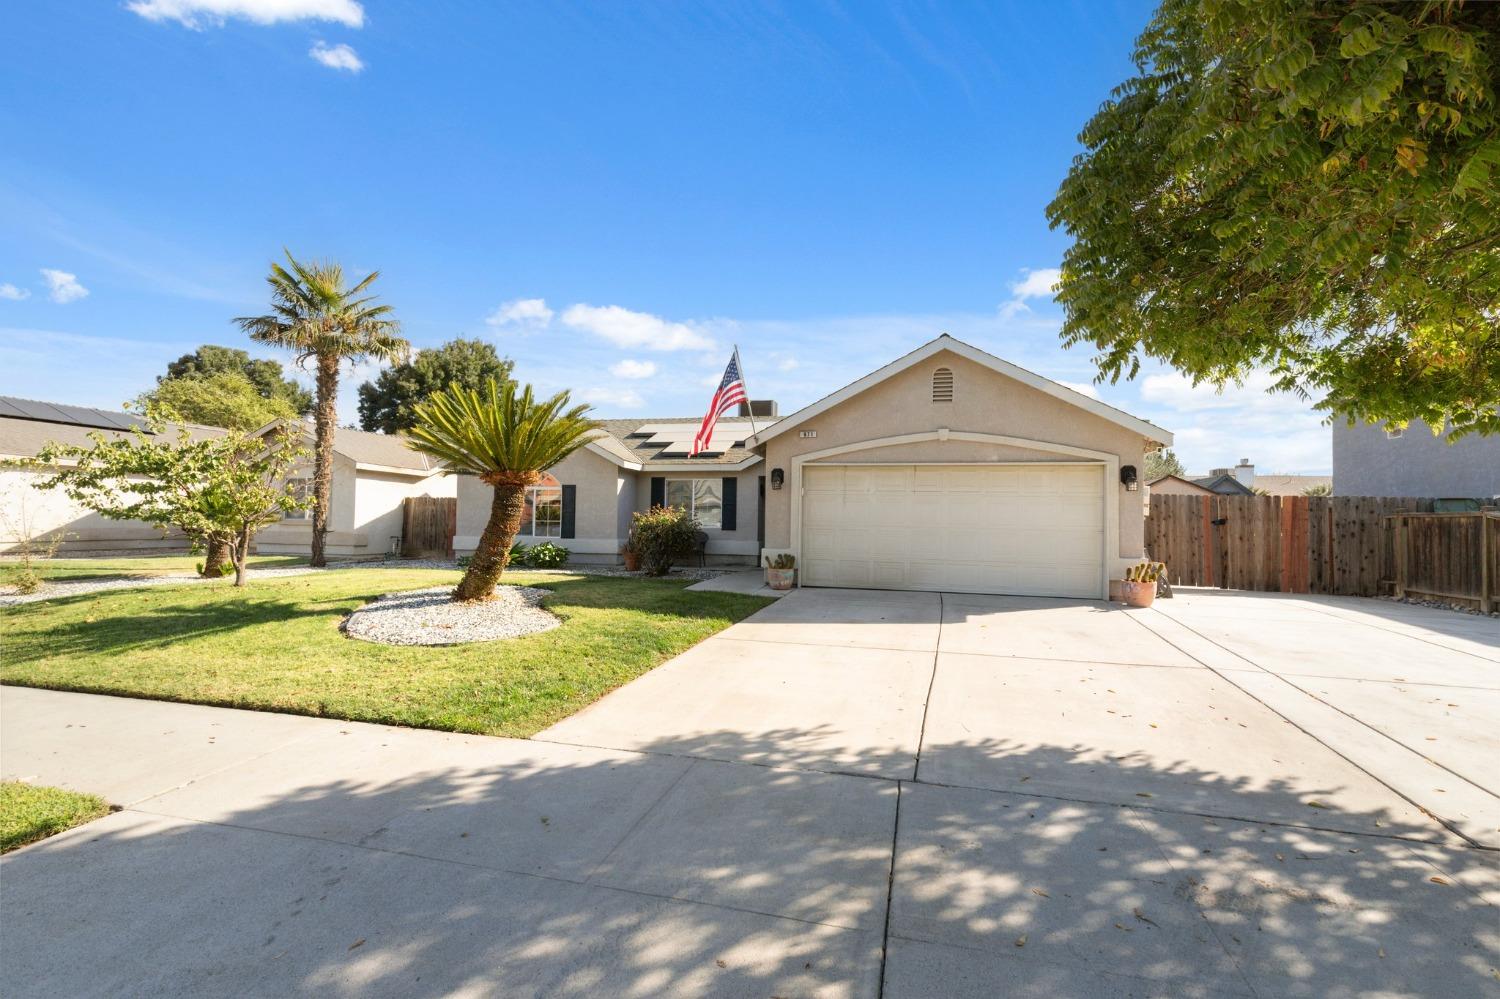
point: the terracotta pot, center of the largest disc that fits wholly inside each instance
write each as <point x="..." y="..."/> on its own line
<point x="1139" y="594"/>
<point x="781" y="579"/>
<point x="632" y="561"/>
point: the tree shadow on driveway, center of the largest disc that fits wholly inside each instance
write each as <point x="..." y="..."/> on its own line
<point x="523" y="868"/>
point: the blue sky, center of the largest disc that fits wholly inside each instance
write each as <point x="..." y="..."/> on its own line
<point x="827" y="185"/>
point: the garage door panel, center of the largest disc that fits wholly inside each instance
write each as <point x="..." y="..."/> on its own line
<point x="1033" y="528"/>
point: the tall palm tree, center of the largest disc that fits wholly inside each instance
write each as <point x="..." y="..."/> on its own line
<point x="315" y="314"/>
<point x="500" y="433"/>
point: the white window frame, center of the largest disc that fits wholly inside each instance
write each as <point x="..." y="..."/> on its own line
<point x="528" y="528"/>
<point x="693" y="497"/>
<point x="302" y="514"/>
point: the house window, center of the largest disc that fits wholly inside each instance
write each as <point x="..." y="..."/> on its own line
<point x="302" y="489"/>
<point x="542" y="517"/>
<point x="942" y="385"/>
<point x="703" y="498"/>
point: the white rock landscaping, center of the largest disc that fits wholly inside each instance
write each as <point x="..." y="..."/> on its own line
<point x="433" y="617"/>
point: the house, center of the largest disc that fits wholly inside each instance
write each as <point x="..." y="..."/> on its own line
<point x="1370" y="460"/>
<point x="947" y="469"/>
<point x="1176" y="485"/>
<point x="373" y="474"/>
<point x="1236" y="481"/>
<point x="25" y="426"/>
<point x="1293" y="485"/>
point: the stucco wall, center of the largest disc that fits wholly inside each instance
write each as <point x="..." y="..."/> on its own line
<point x="365" y="511"/>
<point x="984" y="402"/>
<point x="596" y="526"/>
<point x="26" y="509"/>
<point x="1367" y="463"/>
<point x="740" y="543"/>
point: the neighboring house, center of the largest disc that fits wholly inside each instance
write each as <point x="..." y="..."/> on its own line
<point x="373" y="474"/>
<point x="1369" y="460"/>
<point x="1292" y="485"/>
<point x="948" y="469"/>
<point x="25" y="426"/>
<point x="1176" y="485"/>
<point x="1236" y="481"/>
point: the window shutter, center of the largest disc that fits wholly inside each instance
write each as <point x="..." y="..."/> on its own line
<point x="569" y="504"/>
<point x="658" y="490"/>
<point x="730" y="503"/>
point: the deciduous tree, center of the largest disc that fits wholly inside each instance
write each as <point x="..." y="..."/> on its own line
<point x="1311" y="187"/>
<point x="388" y="404"/>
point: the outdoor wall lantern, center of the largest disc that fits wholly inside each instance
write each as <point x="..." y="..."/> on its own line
<point x="1128" y="478"/>
<point x="777" y="478"/>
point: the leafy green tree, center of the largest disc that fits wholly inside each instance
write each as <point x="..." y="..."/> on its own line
<point x="317" y="315"/>
<point x="506" y="437"/>
<point x="217" y="491"/>
<point x="1310" y="187"/>
<point x="1163" y="462"/>
<point x="388" y="404"/>
<point x="268" y="377"/>
<point x="222" y="399"/>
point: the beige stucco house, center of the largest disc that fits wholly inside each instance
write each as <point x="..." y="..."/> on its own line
<point x="373" y="474"/>
<point x="25" y="426"/>
<point x="947" y="469"/>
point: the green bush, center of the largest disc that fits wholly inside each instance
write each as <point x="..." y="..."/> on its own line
<point x="519" y="554"/>
<point x="547" y="556"/>
<point x="663" y="535"/>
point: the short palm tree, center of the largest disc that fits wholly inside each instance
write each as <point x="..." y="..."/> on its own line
<point x="502" y="434"/>
<point x="315" y="314"/>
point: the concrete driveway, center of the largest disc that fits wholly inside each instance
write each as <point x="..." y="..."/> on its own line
<point x="848" y="794"/>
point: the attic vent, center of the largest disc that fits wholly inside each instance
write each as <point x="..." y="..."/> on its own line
<point x="942" y="385"/>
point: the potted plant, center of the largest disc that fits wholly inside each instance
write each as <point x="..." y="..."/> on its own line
<point x="781" y="572"/>
<point x="631" y="556"/>
<point x="1139" y="588"/>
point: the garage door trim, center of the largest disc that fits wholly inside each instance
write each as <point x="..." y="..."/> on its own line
<point x="1110" y="463"/>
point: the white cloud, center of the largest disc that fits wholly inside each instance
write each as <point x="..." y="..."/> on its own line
<point x="521" y="312"/>
<point x="1277" y="431"/>
<point x="616" y="398"/>
<point x="1037" y="283"/>
<point x="625" y="328"/>
<point x="788" y="364"/>
<point x="339" y="56"/>
<point x="1083" y="388"/>
<point x="633" y="369"/>
<point x="63" y="287"/>
<point x="14" y="294"/>
<point x="197" y="14"/>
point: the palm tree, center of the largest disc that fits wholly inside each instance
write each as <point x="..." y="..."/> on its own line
<point x="316" y="315"/>
<point x="500" y="433"/>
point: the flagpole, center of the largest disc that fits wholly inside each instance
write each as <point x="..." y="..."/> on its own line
<point x="749" y="403"/>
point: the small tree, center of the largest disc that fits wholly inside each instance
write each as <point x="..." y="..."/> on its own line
<point x="222" y="399"/>
<point x="30" y="543"/>
<point x="661" y="536"/>
<point x="1163" y="462"/>
<point x="507" y="438"/>
<point x="217" y="491"/>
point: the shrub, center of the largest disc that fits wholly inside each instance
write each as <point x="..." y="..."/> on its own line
<point x="519" y="554"/>
<point x="547" y="556"/>
<point x="662" y="535"/>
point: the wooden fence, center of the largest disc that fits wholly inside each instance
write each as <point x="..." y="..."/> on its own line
<point x="1452" y="556"/>
<point x="428" y="524"/>
<point x="1312" y="544"/>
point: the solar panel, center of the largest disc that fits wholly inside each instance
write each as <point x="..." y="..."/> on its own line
<point x="77" y="416"/>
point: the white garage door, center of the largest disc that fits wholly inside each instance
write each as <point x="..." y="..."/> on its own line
<point x="1028" y="529"/>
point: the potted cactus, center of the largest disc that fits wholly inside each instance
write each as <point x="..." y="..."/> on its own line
<point x="781" y="572"/>
<point x="1141" y="582"/>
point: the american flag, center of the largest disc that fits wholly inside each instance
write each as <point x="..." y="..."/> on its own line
<point x="731" y="393"/>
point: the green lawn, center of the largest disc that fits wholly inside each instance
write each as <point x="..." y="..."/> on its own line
<point x="136" y="567"/>
<point x="276" y="645"/>
<point x="29" y="813"/>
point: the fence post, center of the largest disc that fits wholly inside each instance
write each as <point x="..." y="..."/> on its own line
<point x="1485" y="580"/>
<point x="1400" y="542"/>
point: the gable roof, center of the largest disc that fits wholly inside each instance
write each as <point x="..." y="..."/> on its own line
<point x="1225" y="485"/>
<point x="969" y="352"/>
<point x="1178" y="478"/>
<point x="371" y="451"/>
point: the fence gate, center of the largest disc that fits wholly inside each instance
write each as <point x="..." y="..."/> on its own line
<point x="427" y="526"/>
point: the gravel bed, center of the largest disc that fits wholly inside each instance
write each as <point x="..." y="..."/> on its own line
<point x="433" y="617"/>
<point x="54" y="589"/>
<point x="696" y="575"/>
